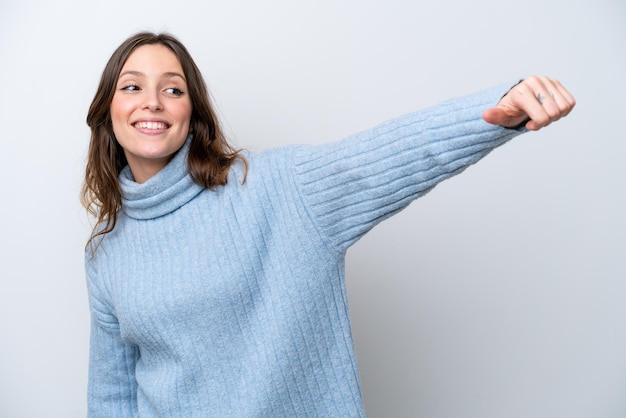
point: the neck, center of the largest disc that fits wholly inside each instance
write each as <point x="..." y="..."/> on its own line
<point x="144" y="170"/>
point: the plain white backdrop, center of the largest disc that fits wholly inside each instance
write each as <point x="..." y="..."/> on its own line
<point x="500" y="294"/>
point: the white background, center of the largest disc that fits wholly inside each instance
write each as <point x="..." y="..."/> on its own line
<point x="500" y="294"/>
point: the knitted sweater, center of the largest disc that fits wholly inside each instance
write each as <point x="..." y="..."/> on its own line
<point x="231" y="302"/>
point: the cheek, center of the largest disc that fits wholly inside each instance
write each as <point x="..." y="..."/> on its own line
<point x="185" y="115"/>
<point x="117" y="112"/>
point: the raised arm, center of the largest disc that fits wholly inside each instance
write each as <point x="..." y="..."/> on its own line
<point x="351" y="185"/>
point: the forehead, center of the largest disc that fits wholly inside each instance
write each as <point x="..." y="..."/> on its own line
<point x="152" y="59"/>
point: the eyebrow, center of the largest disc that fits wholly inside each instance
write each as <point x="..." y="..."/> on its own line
<point x="167" y="74"/>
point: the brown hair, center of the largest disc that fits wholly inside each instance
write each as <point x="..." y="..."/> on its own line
<point x="209" y="158"/>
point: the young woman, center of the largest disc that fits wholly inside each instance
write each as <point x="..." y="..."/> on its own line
<point x="216" y="277"/>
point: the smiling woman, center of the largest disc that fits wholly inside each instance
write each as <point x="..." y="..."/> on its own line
<point x="151" y="110"/>
<point x="218" y="290"/>
<point x="210" y="155"/>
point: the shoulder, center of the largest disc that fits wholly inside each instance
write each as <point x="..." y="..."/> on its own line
<point x="265" y="164"/>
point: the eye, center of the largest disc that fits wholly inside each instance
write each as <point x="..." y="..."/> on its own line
<point x="174" y="91"/>
<point x="130" y="87"/>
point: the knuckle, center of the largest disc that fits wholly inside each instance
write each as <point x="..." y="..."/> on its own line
<point x="552" y="110"/>
<point x="542" y="120"/>
<point x="525" y="89"/>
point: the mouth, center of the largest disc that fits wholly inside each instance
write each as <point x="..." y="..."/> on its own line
<point x="156" y="126"/>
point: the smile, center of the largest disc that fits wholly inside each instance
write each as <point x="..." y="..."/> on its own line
<point x="151" y="125"/>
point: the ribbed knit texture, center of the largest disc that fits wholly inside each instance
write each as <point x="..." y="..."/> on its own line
<point x="231" y="302"/>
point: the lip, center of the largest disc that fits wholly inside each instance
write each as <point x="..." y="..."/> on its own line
<point x="151" y="125"/>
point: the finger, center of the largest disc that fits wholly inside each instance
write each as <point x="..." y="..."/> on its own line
<point x="530" y="97"/>
<point x="554" y="101"/>
<point x="551" y="101"/>
<point x="495" y="116"/>
<point x="566" y="100"/>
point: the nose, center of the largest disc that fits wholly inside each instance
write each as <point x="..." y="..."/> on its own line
<point x="152" y="102"/>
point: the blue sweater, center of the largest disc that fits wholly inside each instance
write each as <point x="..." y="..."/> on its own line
<point x="231" y="302"/>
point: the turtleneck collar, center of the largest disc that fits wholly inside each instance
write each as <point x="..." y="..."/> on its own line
<point x="163" y="193"/>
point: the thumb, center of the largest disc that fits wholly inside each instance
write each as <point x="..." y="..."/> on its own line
<point x="495" y="116"/>
<point x="499" y="116"/>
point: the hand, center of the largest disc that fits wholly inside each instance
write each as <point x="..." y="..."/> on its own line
<point x="537" y="100"/>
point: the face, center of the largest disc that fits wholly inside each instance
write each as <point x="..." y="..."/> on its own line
<point x="151" y="109"/>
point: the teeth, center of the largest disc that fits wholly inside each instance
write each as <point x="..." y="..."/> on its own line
<point x="150" y="125"/>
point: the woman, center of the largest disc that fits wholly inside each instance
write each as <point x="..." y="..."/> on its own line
<point x="216" y="277"/>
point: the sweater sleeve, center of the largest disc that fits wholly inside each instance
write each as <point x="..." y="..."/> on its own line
<point x="351" y="185"/>
<point x="112" y="388"/>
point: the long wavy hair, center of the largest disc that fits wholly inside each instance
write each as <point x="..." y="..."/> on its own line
<point x="210" y="155"/>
